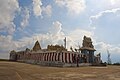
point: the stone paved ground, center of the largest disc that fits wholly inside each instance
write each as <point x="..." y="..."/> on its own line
<point x="22" y="71"/>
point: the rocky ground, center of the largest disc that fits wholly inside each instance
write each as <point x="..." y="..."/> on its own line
<point x="22" y="71"/>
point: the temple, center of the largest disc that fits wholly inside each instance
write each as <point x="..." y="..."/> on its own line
<point x="56" y="55"/>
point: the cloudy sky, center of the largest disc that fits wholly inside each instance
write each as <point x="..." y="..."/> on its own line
<point x="22" y="22"/>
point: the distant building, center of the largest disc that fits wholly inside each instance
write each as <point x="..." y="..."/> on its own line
<point x="56" y="55"/>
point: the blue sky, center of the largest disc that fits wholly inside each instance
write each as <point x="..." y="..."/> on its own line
<point x="22" y="22"/>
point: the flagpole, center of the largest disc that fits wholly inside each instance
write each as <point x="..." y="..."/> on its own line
<point x="65" y="42"/>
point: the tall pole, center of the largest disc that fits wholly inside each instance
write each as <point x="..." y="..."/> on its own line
<point x="65" y="42"/>
<point x="109" y="59"/>
<point x="79" y="47"/>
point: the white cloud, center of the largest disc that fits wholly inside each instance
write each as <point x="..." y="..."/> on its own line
<point x="73" y="6"/>
<point x="25" y="17"/>
<point x="94" y="6"/>
<point x="106" y="25"/>
<point x="60" y="3"/>
<point x="6" y="43"/>
<point x="55" y="36"/>
<point x="76" y="36"/>
<point x="37" y="7"/>
<point x="115" y="2"/>
<point x="8" y="10"/>
<point x="103" y="47"/>
<point x="56" y="28"/>
<point x="47" y="10"/>
<point x="105" y="12"/>
<point x="103" y="15"/>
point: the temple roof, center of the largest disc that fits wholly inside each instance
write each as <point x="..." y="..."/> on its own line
<point x="87" y="48"/>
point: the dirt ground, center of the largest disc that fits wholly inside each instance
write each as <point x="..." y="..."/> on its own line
<point x="23" y="71"/>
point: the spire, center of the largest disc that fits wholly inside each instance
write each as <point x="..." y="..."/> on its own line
<point x="36" y="46"/>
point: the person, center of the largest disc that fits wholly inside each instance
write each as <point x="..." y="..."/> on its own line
<point x="78" y="58"/>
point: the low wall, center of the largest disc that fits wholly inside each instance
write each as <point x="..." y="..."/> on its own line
<point x="55" y="63"/>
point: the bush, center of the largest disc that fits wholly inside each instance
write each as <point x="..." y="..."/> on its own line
<point x="4" y="60"/>
<point x="116" y="63"/>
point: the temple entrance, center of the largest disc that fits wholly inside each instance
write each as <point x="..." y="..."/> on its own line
<point x="84" y="59"/>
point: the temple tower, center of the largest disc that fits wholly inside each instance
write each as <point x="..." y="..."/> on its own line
<point x="37" y="46"/>
<point x="88" y="50"/>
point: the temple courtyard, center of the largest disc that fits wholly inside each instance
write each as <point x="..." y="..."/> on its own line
<point x="23" y="71"/>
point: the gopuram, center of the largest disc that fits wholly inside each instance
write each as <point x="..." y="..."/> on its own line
<point x="88" y="50"/>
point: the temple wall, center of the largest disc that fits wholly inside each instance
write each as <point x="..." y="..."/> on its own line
<point x="50" y="58"/>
